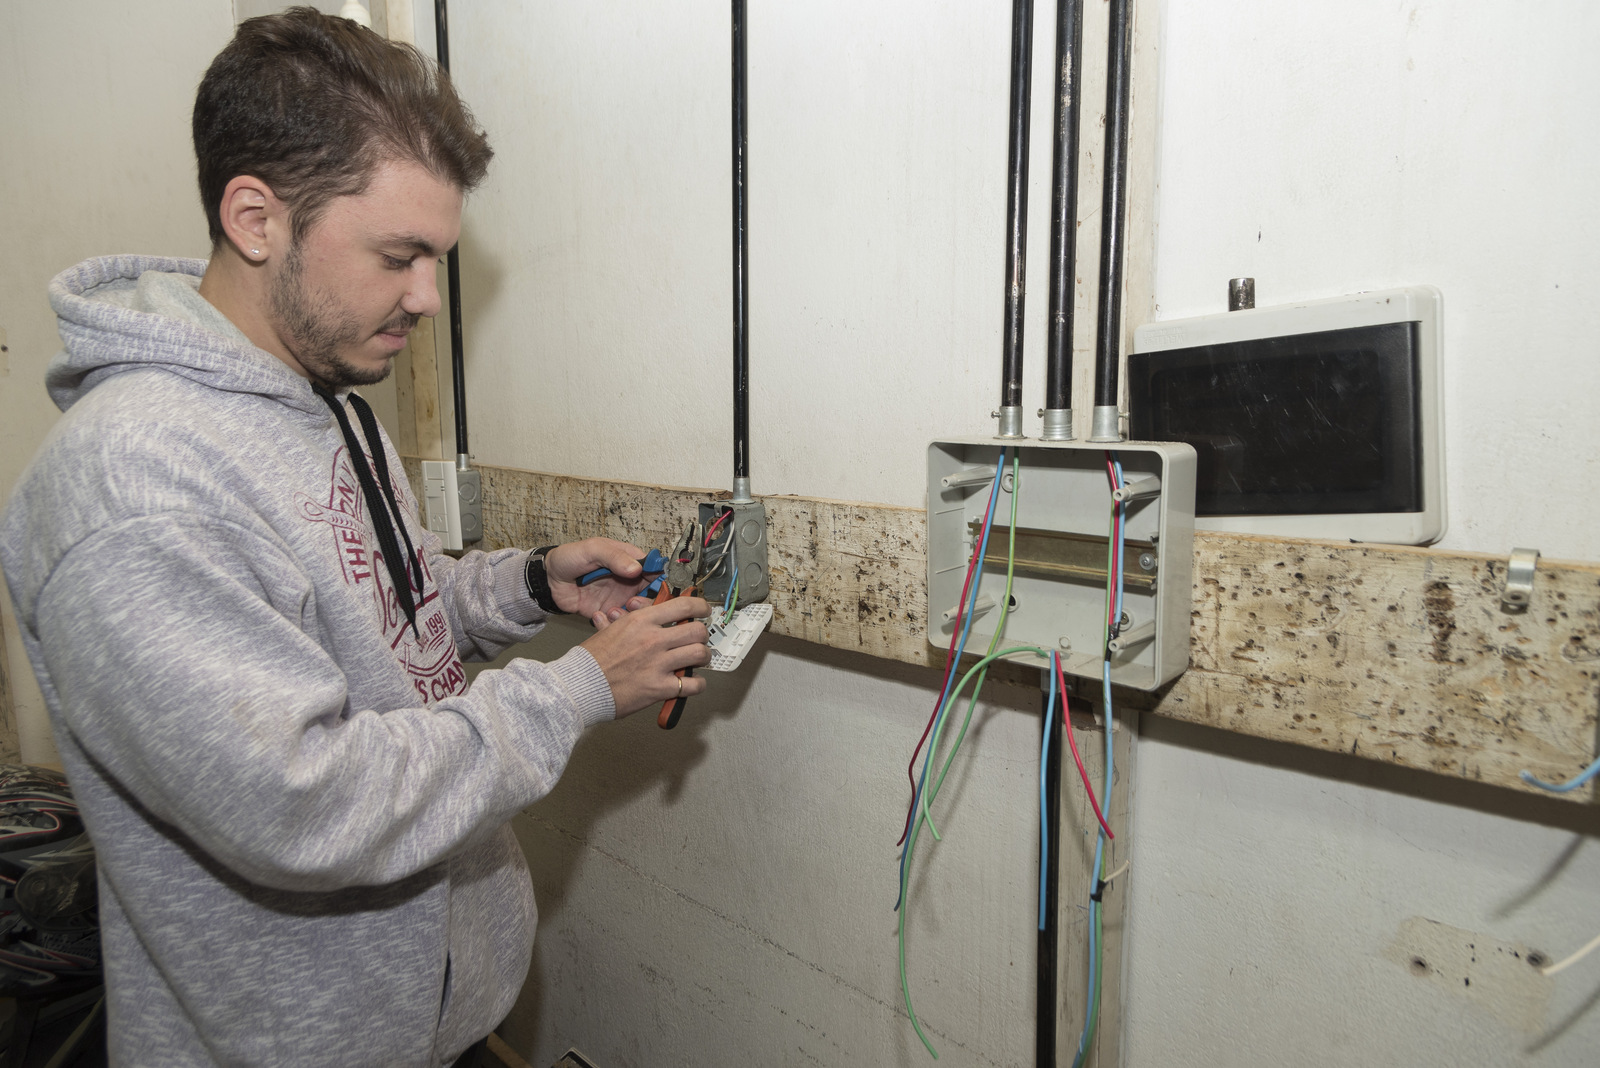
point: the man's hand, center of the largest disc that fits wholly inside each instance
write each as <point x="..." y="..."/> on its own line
<point x="640" y="652"/>
<point x="604" y="599"/>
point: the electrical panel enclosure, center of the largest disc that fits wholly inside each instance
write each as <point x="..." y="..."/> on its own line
<point x="1063" y="501"/>
<point x="1317" y="419"/>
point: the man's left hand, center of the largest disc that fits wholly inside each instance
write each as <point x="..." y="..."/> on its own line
<point x="607" y="598"/>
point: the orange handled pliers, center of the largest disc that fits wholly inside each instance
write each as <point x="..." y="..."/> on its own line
<point x="682" y="579"/>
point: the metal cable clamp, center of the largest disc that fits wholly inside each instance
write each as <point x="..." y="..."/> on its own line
<point x="1519" y="580"/>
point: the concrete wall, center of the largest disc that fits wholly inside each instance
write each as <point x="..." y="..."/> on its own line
<point x="722" y="895"/>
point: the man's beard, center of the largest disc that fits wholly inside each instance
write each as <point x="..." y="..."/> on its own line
<point x="320" y="330"/>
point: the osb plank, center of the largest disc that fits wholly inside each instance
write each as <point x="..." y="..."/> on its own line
<point x="1397" y="654"/>
<point x="1394" y="654"/>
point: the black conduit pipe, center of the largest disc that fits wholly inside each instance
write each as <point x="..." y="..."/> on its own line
<point x="1010" y="413"/>
<point x="741" y="277"/>
<point x="1045" y="1012"/>
<point x="452" y="267"/>
<point x="1113" y="233"/>
<point x="1063" y="223"/>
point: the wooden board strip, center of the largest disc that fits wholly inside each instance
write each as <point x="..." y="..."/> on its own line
<point x="1395" y="654"/>
<point x="417" y="394"/>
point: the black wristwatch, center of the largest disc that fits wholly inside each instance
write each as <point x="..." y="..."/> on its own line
<point x="539" y="583"/>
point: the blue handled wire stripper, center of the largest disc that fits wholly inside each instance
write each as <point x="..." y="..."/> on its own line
<point x="653" y="563"/>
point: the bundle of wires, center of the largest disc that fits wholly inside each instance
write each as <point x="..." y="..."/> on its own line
<point x="1057" y="684"/>
<point x="925" y="791"/>
<point x="1114" y="550"/>
<point x="725" y="557"/>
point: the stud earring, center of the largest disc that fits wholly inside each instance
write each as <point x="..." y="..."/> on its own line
<point x="255" y="252"/>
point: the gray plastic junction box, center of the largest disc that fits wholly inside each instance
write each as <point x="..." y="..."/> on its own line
<point x="1063" y="522"/>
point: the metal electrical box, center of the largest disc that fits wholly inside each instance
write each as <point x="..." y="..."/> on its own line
<point x="452" y="503"/>
<point x="1058" y="593"/>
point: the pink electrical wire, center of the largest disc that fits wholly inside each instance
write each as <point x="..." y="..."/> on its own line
<point x="1066" y="728"/>
<point x="949" y="666"/>
<point x="1116" y="544"/>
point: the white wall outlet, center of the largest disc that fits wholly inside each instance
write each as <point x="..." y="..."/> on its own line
<point x="441" y="501"/>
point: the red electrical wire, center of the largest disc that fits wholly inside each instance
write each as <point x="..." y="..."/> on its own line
<point x="720" y="520"/>
<point x="949" y="666"/>
<point x="1066" y="728"/>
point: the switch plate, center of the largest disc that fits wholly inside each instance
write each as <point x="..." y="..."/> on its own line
<point x="441" y="501"/>
<point x="1063" y="522"/>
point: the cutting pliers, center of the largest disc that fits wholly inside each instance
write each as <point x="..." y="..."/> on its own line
<point x="682" y="580"/>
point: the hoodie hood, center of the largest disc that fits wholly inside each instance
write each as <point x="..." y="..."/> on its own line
<point x="127" y="313"/>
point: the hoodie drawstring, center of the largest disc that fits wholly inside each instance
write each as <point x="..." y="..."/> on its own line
<point x="385" y="510"/>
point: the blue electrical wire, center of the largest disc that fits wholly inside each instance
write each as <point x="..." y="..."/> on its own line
<point x="1044" y="808"/>
<point x="961" y="648"/>
<point x="733" y="576"/>
<point x="1094" y="959"/>
<point x="1094" y="879"/>
<point x="1114" y="591"/>
<point x="1564" y="787"/>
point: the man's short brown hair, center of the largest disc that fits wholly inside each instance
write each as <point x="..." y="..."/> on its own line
<point x="312" y="104"/>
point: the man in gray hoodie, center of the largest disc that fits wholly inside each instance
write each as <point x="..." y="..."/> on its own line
<point x="250" y="649"/>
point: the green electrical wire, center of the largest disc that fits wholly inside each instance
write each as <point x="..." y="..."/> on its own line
<point x="1092" y="1024"/>
<point x="916" y="830"/>
<point x="981" y="669"/>
<point x="988" y="656"/>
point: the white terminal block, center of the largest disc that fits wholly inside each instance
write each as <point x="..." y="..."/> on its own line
<point x="1058" y="591"/>
<point x="733" y="638"/>
<point x="441" y="501"/>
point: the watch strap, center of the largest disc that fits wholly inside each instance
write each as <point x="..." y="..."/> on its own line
<point x="538" y="581"/>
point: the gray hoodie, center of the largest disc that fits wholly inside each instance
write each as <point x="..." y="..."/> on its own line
<point x="299" y="809"/>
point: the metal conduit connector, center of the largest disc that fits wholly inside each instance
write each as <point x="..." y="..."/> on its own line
<point x="1010" y="421"/>
<point x="1107" y="423"/>
<point x="1057" y="424"/>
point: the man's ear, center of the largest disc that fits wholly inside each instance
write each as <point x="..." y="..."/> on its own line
<point x="254" y="220"/>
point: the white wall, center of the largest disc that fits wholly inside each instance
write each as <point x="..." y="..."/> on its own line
<point x="1324" y="149"/>
<point x="598" y="253"/>
<point x="1369" y="144"/>
<point x="96" y="160"/>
